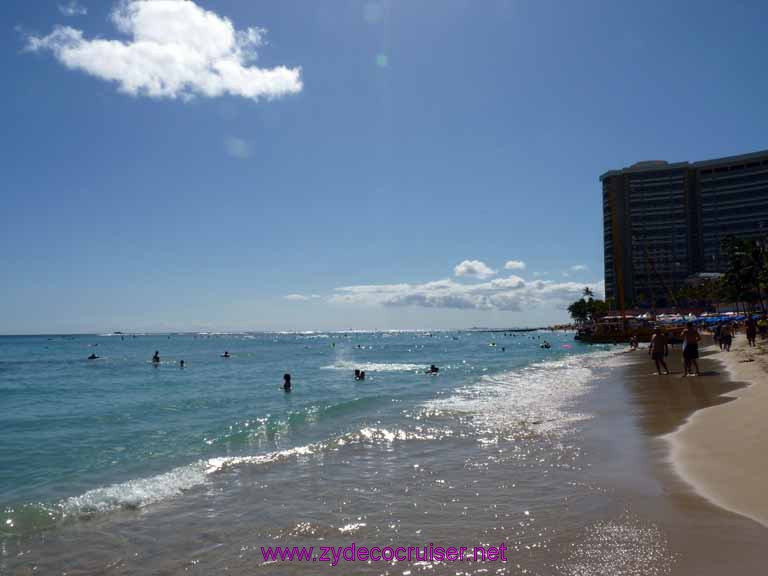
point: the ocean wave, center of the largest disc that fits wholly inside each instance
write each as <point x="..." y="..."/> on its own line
<point x="539" y="397"/>
<point x="142" y="492"/>
<point x="378" y="435"/>
<point x="376" y="366"/>
<point x="271" y="427"/>
<point x="136" y="493"/>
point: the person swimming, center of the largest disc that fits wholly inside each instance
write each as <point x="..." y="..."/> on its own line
<point x="156" y="357"/>
<point x="546" y="345"/>
<point x="93" y="357"/>
<point x="357" y="374"/>
<point x="181" y="363"/>
<point x="287" y="382"/>
<point x="226" y="355"/>
<point x="432" y="369"/>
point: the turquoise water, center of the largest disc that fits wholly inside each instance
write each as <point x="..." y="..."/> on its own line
<point x="89" y="436"/>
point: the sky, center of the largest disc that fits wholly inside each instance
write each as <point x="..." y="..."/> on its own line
<point x="387" y="164"/>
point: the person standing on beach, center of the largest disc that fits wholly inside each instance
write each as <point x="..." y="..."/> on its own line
<point x="691" y="339"/>
<point x="726" y="337"/>
<point x="658" y="350"/>
<point x="751" y="330"/>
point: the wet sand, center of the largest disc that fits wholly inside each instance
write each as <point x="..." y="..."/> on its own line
<point x="720" y="451"/>
<point x="700" y="450"/>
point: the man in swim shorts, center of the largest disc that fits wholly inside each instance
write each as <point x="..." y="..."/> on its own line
<point x="691" y="339"/>
<point x="659" y="349"/>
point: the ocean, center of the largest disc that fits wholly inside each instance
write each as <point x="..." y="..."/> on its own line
<point x="118" y="464"/>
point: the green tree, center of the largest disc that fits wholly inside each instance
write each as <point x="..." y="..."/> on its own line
<point x="587" y="308"/>
<point x="579" y="311"/>
<point x="747" y="271"/>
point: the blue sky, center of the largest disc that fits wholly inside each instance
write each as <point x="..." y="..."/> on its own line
<point x="361" y="164"/>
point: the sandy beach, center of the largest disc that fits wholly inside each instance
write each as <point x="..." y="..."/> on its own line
<point x="720" y="450"/>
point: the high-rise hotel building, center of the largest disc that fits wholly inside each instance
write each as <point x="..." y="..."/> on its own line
<point x="664" y="222"/>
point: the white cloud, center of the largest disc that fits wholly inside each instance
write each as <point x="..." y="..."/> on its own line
<point x="514" y="265"/>
<point x="72" y="8"/>
<point x="174" y="49"/>
<point x="578" y="268"/>
<point x="301" y="297"/>
<point x="296" y="297"/>
<point x="473" y="269"/>
<point x="237" y="147"/>
<point x="511" y="294"/>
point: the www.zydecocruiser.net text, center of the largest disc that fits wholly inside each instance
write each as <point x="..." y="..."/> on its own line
<point x="334" y="555"/>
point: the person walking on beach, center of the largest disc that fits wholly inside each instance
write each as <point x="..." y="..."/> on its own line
<point x="726" y="337"/>
<point x="751" y="330"/>
<point x="658" y="350"/>
<point x="691" y="339"/>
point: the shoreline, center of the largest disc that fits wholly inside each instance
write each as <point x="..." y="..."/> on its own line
<point x="719" y="451"/>
<point x="698" y="530"/>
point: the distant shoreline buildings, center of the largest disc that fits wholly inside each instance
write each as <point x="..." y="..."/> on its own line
<point x="663" y="222"/>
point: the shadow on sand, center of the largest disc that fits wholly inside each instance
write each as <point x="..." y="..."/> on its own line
<point x="664" y="402"/>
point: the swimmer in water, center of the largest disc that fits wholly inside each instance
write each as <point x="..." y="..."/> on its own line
<point x="432" y="369"/>
<point x="156" y="357"/>
<point x="287" y="382"/>
<point x="181" y="363"/>
<point x="225" y="355"/>
<point x="93" y="357"/>
<point x="362" y="374"/>
<point x="357" y="374"/>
